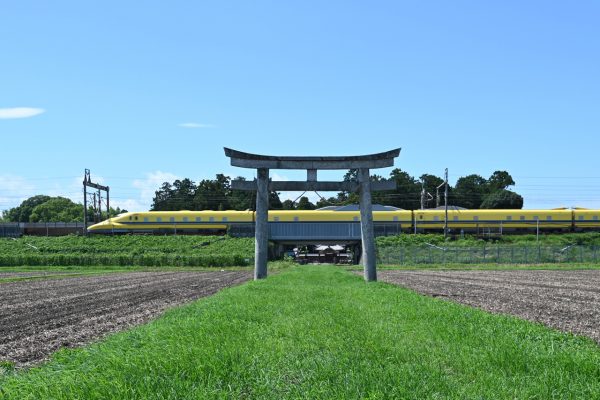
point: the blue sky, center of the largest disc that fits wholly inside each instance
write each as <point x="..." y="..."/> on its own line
<point x="146" y="92"/>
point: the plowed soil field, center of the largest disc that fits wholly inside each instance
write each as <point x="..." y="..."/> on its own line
<point x="39" y="317"/>
<point x="565" y="300"/>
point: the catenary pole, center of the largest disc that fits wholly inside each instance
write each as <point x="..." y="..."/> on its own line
<point x="84" y="207"/>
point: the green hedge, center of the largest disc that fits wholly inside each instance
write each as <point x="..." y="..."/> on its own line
<point x="145" y="260"/>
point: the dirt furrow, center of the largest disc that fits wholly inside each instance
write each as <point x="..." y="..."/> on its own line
<point x="45" y="316"/>
<point x="565" y="300"/>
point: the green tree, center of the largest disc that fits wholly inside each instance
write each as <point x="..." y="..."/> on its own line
<point x="500" y="180"/>
<point x="274" y="201"/>
<point x="57" y="209"/>
<point x="288" y="205"/>
<point x="162" y="198"/>
<point x="213" y="194"/>
<point x="22" y="212"/>
<point x="183" y="194"/>
<point x="325" y="202"/>
<point x="469" y="191"/>
<point x="242" y="199"/>
<point x="408" y="191"/>
<point x="305" y="204"/>
<point x="502" y="199"/>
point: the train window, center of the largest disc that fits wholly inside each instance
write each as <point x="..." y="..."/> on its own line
<point x="224" y="219"/>
<point x="185" y="219"/>
<point x="595" y="218"/>
<point x="456" y="218"/>
<point x="211" y="219"/>
<point x="535" y="217"/>
<point x="158" y="219"/>
<point x="581" y="218"/>
<point x="436" y="218"/>
<point x="395" y="219"/>
<point x="296" y="219"/>
<point x="420" y="217"/>
<point x="522" y="218"/>
<point x="509" y="217"/>
<point x="172" y="219"/>
<point x="145" y="219"/>
<point x="198" y="219"/>
<point x="136" y="218"/>
<point x="130" y="218"/>
<point x="549" y="218"/>
<point x="475" y="218"/>
<point x="276" y="219"/>
<point x="355" y="218"/>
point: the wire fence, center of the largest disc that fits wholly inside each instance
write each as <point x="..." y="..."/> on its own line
<point x="488" y="255"/>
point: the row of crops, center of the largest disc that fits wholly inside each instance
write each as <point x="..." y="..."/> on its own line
<point x="221" y="251"/>
<point x="188" y="251"/>
<point x="499" y="254"/>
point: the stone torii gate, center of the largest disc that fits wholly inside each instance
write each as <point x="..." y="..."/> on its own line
<point x="263" y="185"/>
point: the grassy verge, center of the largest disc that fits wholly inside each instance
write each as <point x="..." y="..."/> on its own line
<point x="320" y="332"/>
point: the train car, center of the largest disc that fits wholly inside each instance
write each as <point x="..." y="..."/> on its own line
<point x="402" y="217"/>
<point x="586" y="219"/>
<point x="165" y="222"/>
<point x="334" y="225"/>
<point x="241" y="223"/>
<point x="499" y="220"/>
<point x="347" y="223"/>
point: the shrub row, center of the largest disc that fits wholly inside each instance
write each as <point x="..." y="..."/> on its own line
<point x="145" y="260"/>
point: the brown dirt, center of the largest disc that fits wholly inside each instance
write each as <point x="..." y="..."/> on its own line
<point x="39" y="317"/>
<point x="565" y="300"/>
<point x="31" y="274"/>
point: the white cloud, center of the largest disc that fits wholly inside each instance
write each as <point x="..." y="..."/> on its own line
<point x="130" y="205"/>
<point x="147" y="187"/>
<point x="195" y="125"/>
<point x="15" y="189"/>
<point x="20" y="112"/>
<point x="276" y="177"/>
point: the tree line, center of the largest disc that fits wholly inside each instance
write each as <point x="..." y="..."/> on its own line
<point x="42" y="208"/>
<point x="471" y="191"/>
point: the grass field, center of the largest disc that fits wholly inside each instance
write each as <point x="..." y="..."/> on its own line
<point x="321" y="332"/>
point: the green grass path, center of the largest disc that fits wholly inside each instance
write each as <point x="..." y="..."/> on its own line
<point x="321" y="332"/>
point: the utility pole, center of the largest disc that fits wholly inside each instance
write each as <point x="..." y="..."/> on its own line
<point x="437" y="194"/>
<point x="87" y="182"/>
<point x="446" y="203"/>
<point x="95" y="208"/>
<point x="423" y="194"/>
<point x="85" y="217"/>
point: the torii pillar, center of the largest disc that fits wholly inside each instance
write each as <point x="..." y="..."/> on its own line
<point x="262" y="186"/>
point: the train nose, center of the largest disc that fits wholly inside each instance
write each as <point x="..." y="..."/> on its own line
<point x="97" y="227"/>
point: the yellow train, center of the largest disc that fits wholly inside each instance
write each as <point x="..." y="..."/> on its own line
<point x="241" y="223"/>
